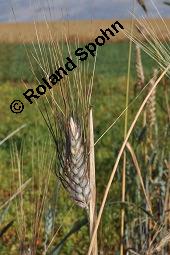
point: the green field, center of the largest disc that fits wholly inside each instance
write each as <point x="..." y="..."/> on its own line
<point x="108" y="102"/>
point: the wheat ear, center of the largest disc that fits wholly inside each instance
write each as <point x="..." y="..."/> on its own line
<point x="151" y="104"/>
<point x="139" y="70"/>
<point x="74" y="174"/>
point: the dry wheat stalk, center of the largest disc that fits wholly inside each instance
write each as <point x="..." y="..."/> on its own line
<point x="92" y="176"/>
<point x="158" y="248"/>
<point x="73" y="173"/>
<point x="139" y="70"/>
<point x="151" y="104"/>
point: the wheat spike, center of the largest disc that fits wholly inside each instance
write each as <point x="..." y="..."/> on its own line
<point x="49" y="220"/>
<point x="74" y="174"/>
<point x="139" y="70"/>
<point x="151" y="104"/>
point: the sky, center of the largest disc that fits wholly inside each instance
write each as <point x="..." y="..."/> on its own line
<point x="29" y="10"/>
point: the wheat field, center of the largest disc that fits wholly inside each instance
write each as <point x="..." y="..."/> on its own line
<point x="85" y="169"/>
<point x="86" y="30"/>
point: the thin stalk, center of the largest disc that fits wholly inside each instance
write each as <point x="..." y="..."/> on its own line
<point x="135" y="162"/>
<point x="12" y="133"/>
<point x="19" y="190"/>
<point x="125" y="133"/>
<point x="92" y="177"/>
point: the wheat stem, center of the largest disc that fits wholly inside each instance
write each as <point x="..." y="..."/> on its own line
<point x="92" y="178"/>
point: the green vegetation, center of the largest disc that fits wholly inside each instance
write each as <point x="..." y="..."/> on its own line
<point x="111" y="62"/>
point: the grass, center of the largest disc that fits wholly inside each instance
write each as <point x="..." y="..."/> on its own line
<point x="107" y="67"/>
